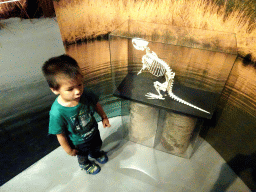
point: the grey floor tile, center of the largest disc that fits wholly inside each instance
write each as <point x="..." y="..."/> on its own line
<point x="132" y="167"/>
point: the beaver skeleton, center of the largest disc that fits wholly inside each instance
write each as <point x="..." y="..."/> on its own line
<point x="158" y="68"/>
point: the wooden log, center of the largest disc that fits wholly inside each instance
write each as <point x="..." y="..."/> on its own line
<point x="177" y="131"/>
<point x="143" y="122"/>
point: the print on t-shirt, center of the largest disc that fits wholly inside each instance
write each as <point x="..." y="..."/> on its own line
<point x="83" y="123"/>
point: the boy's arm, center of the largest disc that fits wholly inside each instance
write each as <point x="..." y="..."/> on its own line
<point x="65" y="145"/>
<point x="103" y="115"/>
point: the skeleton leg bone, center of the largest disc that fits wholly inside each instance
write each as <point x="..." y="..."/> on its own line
<point x="159" y="87"/>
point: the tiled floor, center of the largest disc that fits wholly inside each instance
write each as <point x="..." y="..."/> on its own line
<point x="132" y="167"/>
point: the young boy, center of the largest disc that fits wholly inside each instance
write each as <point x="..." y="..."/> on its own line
<point x="71" y="114"/>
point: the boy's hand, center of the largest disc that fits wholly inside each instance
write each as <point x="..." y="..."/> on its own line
<point x="105" y="123"/>
<point x="73" y="152"/>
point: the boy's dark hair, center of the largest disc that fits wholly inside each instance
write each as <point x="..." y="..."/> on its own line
<point x="62" y="64"/>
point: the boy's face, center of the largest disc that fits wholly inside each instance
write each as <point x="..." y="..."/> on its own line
<point x="69" y="89"/>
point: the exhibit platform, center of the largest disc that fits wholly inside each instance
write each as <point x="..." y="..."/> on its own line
<point x="132" y="167"/>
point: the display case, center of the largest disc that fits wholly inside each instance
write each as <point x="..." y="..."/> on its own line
<point x="171" y="77"/>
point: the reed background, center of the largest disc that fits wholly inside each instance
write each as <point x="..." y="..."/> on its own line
<point x="86" y="19"/>
<point x="26" y="9"/>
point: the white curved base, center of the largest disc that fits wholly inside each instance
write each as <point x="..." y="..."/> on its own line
<point x="131" y="167"/>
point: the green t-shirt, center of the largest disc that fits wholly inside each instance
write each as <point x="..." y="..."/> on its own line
<point x="77" y="122"/>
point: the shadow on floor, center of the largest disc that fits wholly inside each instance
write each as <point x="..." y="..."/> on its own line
<point x="23" y="144"/>
<point x="240" y="164"/>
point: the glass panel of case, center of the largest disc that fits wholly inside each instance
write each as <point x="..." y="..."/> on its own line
<point x="172" y="77"/>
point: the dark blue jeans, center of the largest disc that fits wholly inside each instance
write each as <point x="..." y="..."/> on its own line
<point x="91" y="146"/>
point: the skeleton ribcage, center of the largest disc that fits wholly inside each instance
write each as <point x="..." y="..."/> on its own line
<point x="154" y="65"/>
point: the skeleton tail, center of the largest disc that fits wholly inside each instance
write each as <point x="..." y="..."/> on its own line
<point x="176" y="98"/>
